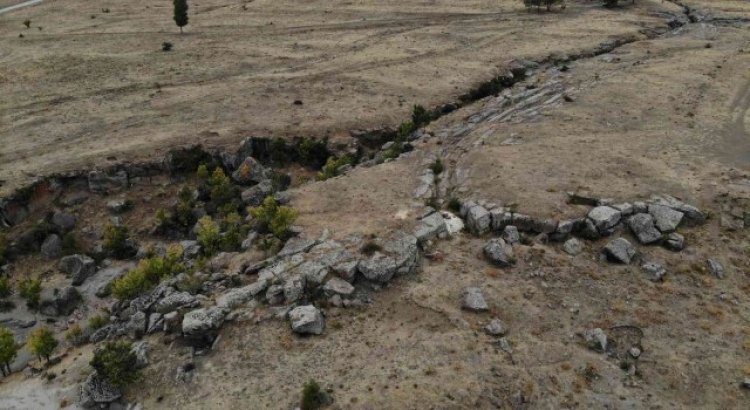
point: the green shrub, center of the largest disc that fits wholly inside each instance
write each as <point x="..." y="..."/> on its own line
<point x="8" y="349"/>
<point x="209" y="235"/>
<point x="166" y="46"/>
<point x="74" y="335"/>
<point x="222" y="190"/>
<point x="5" y="288"/>
<point x="98" y="321"/>
<point x="42" y="343"/>
<point x="273" y="217"/>
<point x="116" y="362"/>
<point x="149" y="273"/>
<point x="191" y="283"/>
<point x="30" y="290"/>
<point x="202" y="172"/>
<point x="70" y="244"/>
<point x="116" y="241"/>
<point x="312" y="396"/>
<point x="333" y="164"/>
<point x="420" y="117"/>
<point x="312" y="151"/>
<point x="235" y="231"/>
<point x="437" y="167"/>
<point x="27" y="23"/>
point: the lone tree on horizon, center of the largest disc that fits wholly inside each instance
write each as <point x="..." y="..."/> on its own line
<point x="181" y="13"/>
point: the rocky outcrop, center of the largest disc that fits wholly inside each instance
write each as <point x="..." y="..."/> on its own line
<point x="307" y="320"/>
<point x="78" y="267"/>
<point x="96" y="391"/>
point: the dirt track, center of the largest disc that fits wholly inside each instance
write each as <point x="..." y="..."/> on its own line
<point x="83" y="89"/>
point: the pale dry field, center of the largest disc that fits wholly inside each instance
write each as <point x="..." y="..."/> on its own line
<point x="91" y="88"/>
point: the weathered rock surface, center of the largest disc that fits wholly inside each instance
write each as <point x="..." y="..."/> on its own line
<point x="203" y="323"/>
<point x="97" y="391"/>
<point x="511" y="235"/>
<point x="654" y="271"/>
<point x="478" y="220"/>
<point x="666" y="219"/>
<point x="51" y="247"/>
<point x="716" y="268"/>
<point x="573" y="246"/>
<point x="101" y="182"/>
<point x="675" y="242"/>
<point x="605" y="218"/>
<point x="595" y="339"/>
<point x="496" y="327"/>
<point x="430" y="227"/>
<point x="337" y="286"/>
<point x="307" y="320"/>
<point x="63" y="220"/>
<point x="238" y="296"/>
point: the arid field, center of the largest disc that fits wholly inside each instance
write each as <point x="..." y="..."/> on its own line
<point x="627" y="124"/>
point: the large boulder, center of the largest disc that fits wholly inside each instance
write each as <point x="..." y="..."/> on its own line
<point x="62" y="303"/>
<point x="620" y="250"/>
<point x="203" y="324"/>
<point x="642" y="226"/>
<point x="691" y="214"/>
<point x="63" y="220"/>
<point x="478" y="220"/>
<point x="96" y="391"/>
<point x="399" y="256"/>
<point x="307" y="320"/>
<point x="430" y="227"/>
<point x="250" y="172"/>
<point x="78" y="267"/>
<point x="499" y="253"/>
<point x="605" y="219"/>
<point x="666" y="219"/>
<point x="236" y="297"/>
<point x="255" y="195"/>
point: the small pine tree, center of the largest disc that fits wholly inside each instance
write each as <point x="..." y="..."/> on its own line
<point x="116" y="362"/>
<point x="42" y="343"/>
<point x="181" y="13"/>
<point x="8" y="350"/>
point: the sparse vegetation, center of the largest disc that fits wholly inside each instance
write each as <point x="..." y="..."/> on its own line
<point x="332" y="165"/>
<point x="98" y="321"/>
<point x="437" y="167"/>
<point x="166" y="46"/>
<point x="42" y="343"/>
<point x="5" y="287"/>
<point x="547" y="3"/>
<point x="274" y="218"/>
<point x="148" y="274"/>
<point x="312" y="151"/>
<point x="30" y="290"/>
<point x="454" y="204"/>
<point x="74" y="335"/>
<point x="116" y="241"/>
<point x="370" y="248"/>
<point x="209" y="235"/>
<point x="116" y="362"/>
<point x="27" y="23"/>
<point x="312" y="396"/>
<point x="8" y="349"/>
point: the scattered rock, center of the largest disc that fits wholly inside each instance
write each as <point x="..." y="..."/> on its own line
<point x="141" y="350"/>
<point x="474" y="300"/>
<point x="337" y="286"/>
<point x="296" y="245"/>
<point x="255" y="195"/>
<point x="496" y="327"/>
<point x="499" y="253"/>
<point x="716" y="268"/>
<point x="642" y="226"/>
<point x="307" y="320"/>
<point x="654" y="271"/>
<point x="511" y="235"/>
<point x="620" y="250"/>
<point x="78" y="267"/>
<point x="573" y="246"/>
<point x="635" y="352"/>
<point x="52" y="247"/>
<point x="675" y="242"/>
<point x="666" y="219"/>
<point x="63" y="220"/>
<point x="62" y="303"/>
<point x="595" y="339"/>
<point x="174" y="301"/>
<point x="118" y="206"/>
<point x="137" y="324"/>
